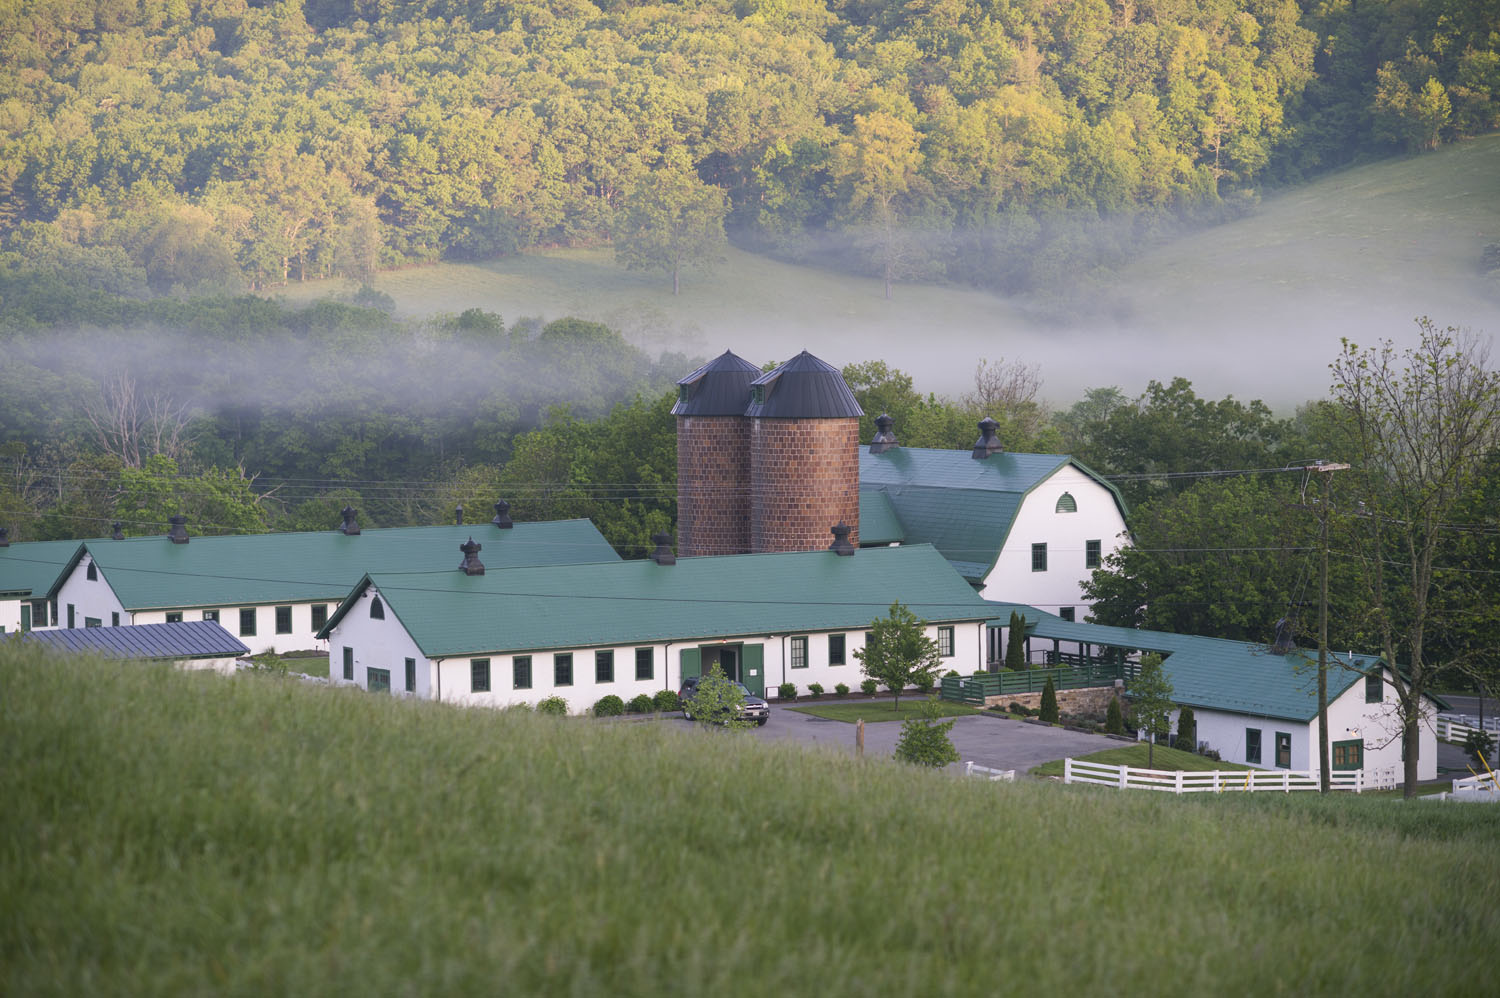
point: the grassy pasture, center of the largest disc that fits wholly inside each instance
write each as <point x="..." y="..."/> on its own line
<point x="1135" y="756"/>
<point x="166" y="833"/>
<point x="1254" y="307"/>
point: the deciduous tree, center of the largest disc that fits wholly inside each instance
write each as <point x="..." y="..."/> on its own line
<point x="898" y="652"/>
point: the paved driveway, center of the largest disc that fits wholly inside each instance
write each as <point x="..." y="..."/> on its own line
<point x="989" y="741"/>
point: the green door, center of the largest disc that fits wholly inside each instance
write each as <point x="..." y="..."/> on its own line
<point x="692" y="665"/>
<point x="25" y="616"/>
<point x="752" y="668"/>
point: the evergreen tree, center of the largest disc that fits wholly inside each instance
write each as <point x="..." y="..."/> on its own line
<point x="1015" y="648"/>
<point x="1114" y="721"/>
<point x="1187" y="730"/>
<point x="1049" y="703"/>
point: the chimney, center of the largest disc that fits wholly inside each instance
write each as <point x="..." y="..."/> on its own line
<point x="884" y="439"/>
<point x="471" y="565"/>
<point x="502" y="516"/>
<point x="663" y="554"/>
<point x="351" y="525"/>
<point x="988" y="443"/>
<point x="178" y="534"/>
<point x="119" y="531"/>
<point x="4" y="537"/>
<point x="841" y="545"/>
<point x="458" y="515"/>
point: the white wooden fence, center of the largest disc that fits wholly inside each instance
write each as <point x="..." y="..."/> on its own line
<point x="1488" y="783"/>
<point x="1456" y="727"/>
<point x="1217" y="781"/>
<point x="986" y="773"/>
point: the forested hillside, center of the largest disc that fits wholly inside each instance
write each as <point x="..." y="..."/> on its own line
<point x="170" y="148"/>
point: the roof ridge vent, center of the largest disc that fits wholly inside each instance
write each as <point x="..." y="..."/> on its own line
<point x="989" y="441"/>
<point x="502" y="518"/>
<point x="841" y="545"/>
<point x="119" y="531"/>
<point x="178" y="534"/>
<point x="471" y="565"/>
<point x="458" y="515"/>
<point x="884" y="439"/>
<point x="663" y="554"/>
<point x="350" y="525"/>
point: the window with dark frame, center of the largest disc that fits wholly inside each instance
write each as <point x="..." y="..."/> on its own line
<point x="1348" y="755"/>
<point x="1283" y="750"/>
<point x="211" y="615"/>
<point x="283" y="620"/>
<point x="945" y="642"/>
<point x="411" y="675"/>
<point x="799" y="653"/>
<point x="377" y="609"/>
<point x="319" y="616"/>
<point x="520" y="672"/>
<point x="348" y="663"/>
<point x="479" y="675"/>
<point x="71" y="618"/>
<point x="1091" y="551"/>
<point x="378" y="680"/>
<point x="114" y="618"/>
<point x="173" y="617"/>
<point x="38" y="613"/>
<point x="604" y="666"/>
<point x="247" y="625"/>
<point x="1252" y="745"/>
<point x="562" y="669"/>
<point x="836" y="652"/>
<point x="1038" y="557"/>
<point x="1374" y="688"/>
<point x="92" y="572"/>
<point x="645" y="663"/>
<point x="92" y="622"/>
<point x="1066" y="613"/>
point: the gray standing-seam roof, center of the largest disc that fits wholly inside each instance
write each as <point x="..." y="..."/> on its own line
<point x="719" y="388"/>
<point x="803" y="388"/>
<point x="190" y="639"/>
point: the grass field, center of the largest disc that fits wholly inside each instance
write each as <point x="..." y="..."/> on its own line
<point x="882" y="710"/>
<point x="1135" y="755"/>
<point x="167" y="833"/>
<point x="1254" y="307"/>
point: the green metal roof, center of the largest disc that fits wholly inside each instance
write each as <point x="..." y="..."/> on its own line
<point x="961" y="506"/>
<point x="878" y="523"/>
<point x="1213" y="673"/>
<point x="578" y="606"/>
<point x="31" y="567"/>
<point x="148" y="573"/>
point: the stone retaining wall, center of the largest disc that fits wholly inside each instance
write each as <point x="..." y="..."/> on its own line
<point x="1084" y="703"/>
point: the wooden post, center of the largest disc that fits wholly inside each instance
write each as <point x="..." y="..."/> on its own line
<point x="859" y="737"/>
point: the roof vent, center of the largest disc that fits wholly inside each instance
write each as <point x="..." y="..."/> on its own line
<point x="884" y="439"/>
<point x="4" y="537"/>
<point x="178" y="534"/>
<point x="502" y="516"/>
<point x="351" y="525"/>
<point x="458" y="515"/>
<point x="1283" y="643"/>
<point x="119" y="531"/>
<point x="471" y="565"/>
<point x="841" y="545"/>
<point x="663" y="554"/>
<point x="988" y="443"/>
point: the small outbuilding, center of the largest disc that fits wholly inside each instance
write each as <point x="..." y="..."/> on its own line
<point x="192" y="644"/>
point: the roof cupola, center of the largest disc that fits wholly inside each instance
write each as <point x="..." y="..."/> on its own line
<point x="884" y="439"/>
<point x="841" y="545"/>
<point x="663" y="554"/>
<point x="471" y="565"/>
<point x="351" y="525"/>
<point x="178" y="533"/>
<point x="502" y="518"/>
<point x="989" y="441"/>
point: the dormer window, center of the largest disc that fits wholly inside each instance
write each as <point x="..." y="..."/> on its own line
<point x="758" y="394"/>
<point x="1066" y="503"/>
<point x="682" y="393"/>
<point x="377" y="609"/>
<point x="93" y="573"/>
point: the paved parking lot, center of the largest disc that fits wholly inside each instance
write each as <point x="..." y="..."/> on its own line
<point x="989" y="741"/>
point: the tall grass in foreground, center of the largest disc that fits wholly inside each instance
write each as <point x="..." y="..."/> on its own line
<point x="169" y="833"/>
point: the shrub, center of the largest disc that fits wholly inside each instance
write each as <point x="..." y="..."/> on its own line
<point x="1187" y="730"/>
<point x="952" y="672"/>
<point x="842" y="689"/>
<point x="924" y="683"/>
<point x="641" y="704"/>
<point x="556" y="706"/>
<point x="1476" y="743"/>
<point x="1048" y="712"/>
<point x="666" y="700"/>
<point x="1114" y="721"/>
<point x="787" y="691"/>
<point x="609" y="706"/>
<point x="869" y="686"/>
<point x="980" y="672"/>
<point x="816" y="689"/>
<point x="924" y="740"/>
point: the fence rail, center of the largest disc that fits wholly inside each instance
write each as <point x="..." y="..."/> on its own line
<point x="986" y="773"/>
<point x="974" y="689"/>
<point x="1456" y="727"/>
<point x="1216" y="781"/>
<point x="1488" y="783"/>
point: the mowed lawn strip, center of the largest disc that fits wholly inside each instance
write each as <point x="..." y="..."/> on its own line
<point x="881" y="710"/>
<point x="170" y="834"/>
<point x="1166" y="759"/>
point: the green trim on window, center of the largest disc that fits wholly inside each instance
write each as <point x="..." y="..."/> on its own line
<point x="520" y="672"/>
<point x="1348" y="755"/>
<point x="1092" y="557"/>
<point x="479" y="675"/>
<point x="1252" y="745"/>
<point x="799" y="653"/>
<point x="1283" y="750"/>
<point x="562" y="669"/>
<point x="945" y="641"/>
<point x="348" y="663"/>
<point x="604" y="665"/>
<point x="319" y="616"/>
<point x="284" y="622"/>
<point x="645" y="663"/>
<point x="247" y="625"/>
<point x="1066" y="503"/>
<point x="1374" y="688"/>
<point x="411" y="675"/>
<point x="837" y="650"/>
<point x="1039" y="557"/>
<point x="378" y="680"/>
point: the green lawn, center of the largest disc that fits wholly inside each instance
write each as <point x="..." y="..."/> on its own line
<point x="1135" y="755"/>
<point x="881" y="710"/>
<point x="167" y="833"/>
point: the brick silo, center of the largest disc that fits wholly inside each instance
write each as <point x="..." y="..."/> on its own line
<point x="713" y="457"/>
<point x="804" y="456"/>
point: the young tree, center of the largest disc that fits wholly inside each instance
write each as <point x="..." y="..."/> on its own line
<point x="672" y="220"/>
<point x="1151" y="701"/>
<point x="717" y="700"/>
<point x="1419" y="424"/>
<point x="1015" y="642"/>
<point x="1187" y="730"/>
<point x="924" y="740"/>
<point x="899" y="652"/>
<point x="1114" y="719"/>
<point x="1049" y="712"/>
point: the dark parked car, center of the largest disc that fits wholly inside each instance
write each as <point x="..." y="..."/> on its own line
<point x="753" y="709"/>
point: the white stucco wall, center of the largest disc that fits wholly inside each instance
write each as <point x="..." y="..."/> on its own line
<point x="88" y="598"/>
<point x="265" y="637"/>
<point x="381" y="644"/>
<point x="10" y="616"/>
<point x="1038" y="522"/>
<point x="968" y="654"/>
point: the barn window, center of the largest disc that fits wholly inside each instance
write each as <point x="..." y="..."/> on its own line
<point x="520" y="672"/>
<point x="604" y="666"/>
<point x="283" y="620"/>
<point x="319" y="615"/>
<point x="562" y="669"/>
<point x="945" y="642"/>
<point x="1066" y="503"/>
<point x="174" y="616"/>
<point x="1038" y="557"/>
<point x="377" y="609"/>
<point x="1252" y="745"/>
<point x="1283" y="750"/>
<point x="479" y="675"/>
<point x="93" y="572"/>
<point x="1374" y="688"/>
<point x="645" y="663"/>
<point x="1091" y="557"/>
<point x="411" y="675"/>
<point x="247" y="624"/>
<point x="799" y="653"/>
<point x="836" y="654"/>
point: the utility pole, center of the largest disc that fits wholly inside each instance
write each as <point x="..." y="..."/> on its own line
<point x="1323" y="468"/>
